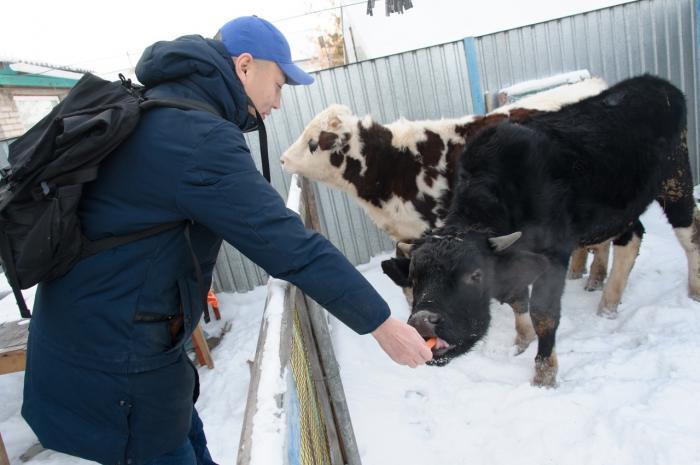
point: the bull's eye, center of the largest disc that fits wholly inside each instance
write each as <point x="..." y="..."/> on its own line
<point x="313" y="145"/>
<point x="474" y="277"/>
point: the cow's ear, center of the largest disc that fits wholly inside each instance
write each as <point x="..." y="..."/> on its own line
<point x="517" y="270"/>
<point x="397" y="270"/>
<point x="334" y="122"/>
<point x="326" y="140"/>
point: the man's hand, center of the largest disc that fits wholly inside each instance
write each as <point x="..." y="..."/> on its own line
<point x="402" y="343"/>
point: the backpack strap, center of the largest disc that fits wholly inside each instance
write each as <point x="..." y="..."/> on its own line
<point x="94" y="247"/>
<point x="180" y="103"/>
<point x="262" y="137"/>
<point x="198" y="272"/>
<point x="11" y="274"/>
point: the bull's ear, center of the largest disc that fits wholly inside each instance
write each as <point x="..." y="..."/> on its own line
<point x="397" y="270"/>
<point x="516" y="271"/>
<point x="501" y="243"/>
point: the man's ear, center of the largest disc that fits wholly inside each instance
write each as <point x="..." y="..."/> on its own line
<point x="397" y="270"/>
<point x="242" y="65"/>
<point x="515" y="271"/>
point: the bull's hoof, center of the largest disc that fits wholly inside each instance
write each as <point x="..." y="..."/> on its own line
<point x="607" y="310"/>
<point x="594" y="285"/>
<point x="694" y="296"/>
<point x="522" y="342"/>
<point x="546" y="372"/>
<point x="574" y="274"/>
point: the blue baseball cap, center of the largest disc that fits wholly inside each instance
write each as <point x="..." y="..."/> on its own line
<point x="250" y="34"/>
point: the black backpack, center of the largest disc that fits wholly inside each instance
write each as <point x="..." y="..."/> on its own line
<point x="40" y="234"/>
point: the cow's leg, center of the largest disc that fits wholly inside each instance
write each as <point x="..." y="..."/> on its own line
<point x="577" y="264"/>
<point x="599" y="267"/>
<point x="545" y="311"/>
<point x="625" y="251"/>
<point x="524" y="332"/>
<point x="678" y="204"/>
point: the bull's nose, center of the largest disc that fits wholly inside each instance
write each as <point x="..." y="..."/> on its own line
<point x="282" y="160"/>
<point x="425" y="321"/>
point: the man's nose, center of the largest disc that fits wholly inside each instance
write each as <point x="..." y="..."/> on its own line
<point x="425" y="322"/>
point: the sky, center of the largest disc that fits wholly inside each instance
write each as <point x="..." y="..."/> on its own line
<point x="627" y="391"/>
<point x="106" y="37"/>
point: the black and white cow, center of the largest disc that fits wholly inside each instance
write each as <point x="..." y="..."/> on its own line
<point x="529" y="193"/>
<point x="401" y="173"/>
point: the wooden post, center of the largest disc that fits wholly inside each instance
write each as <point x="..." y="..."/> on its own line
<point x="319" y="381"/>
<point x="11" y="362"/>
<point x="13" y="349"/>
<point x="341" y="435"/>
<point x="312" y="219"/>
<point x="13" y="346"/>
<point x="201" y="348"/>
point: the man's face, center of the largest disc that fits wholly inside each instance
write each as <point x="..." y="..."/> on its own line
<point x="262" y="81"/>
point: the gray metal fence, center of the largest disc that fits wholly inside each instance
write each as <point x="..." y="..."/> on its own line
<point x="654" y="36"/>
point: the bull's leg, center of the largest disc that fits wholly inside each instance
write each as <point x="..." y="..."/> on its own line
<point x="689" y="237"/>
<point x="524" y="332"/>
<point x="679" y="206"/>
<point x="599" y="267"/>
<point x="577" y="264"/>
<point x="625" y="251"/>
<point x="545" y="311"/>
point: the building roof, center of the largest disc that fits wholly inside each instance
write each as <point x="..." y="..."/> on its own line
<point x="27" y="74"/>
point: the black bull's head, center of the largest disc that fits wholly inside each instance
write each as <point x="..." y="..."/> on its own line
<point x="453" y="278"/>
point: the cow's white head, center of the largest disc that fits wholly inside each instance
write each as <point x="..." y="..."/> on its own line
<point x="318" y="152"/>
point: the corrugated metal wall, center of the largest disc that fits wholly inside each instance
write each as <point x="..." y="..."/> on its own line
<point x="655" y="36"/>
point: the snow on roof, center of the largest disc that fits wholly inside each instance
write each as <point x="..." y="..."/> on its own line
<point x="45" y="69"/>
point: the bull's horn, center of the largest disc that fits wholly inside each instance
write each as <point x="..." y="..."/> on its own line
<point x="501" y="243"/>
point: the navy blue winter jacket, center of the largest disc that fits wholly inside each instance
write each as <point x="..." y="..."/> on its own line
<point x="99" y="383"/>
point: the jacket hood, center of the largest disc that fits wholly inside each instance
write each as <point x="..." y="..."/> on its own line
<point x="195" y="67"/>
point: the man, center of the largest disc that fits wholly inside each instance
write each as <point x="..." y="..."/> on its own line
<point x="107" y="378"/>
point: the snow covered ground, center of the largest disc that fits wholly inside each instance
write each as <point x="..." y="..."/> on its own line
<point x="628" y="388"/>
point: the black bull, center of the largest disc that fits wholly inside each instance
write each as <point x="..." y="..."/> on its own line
<point x="527" y="194"/>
